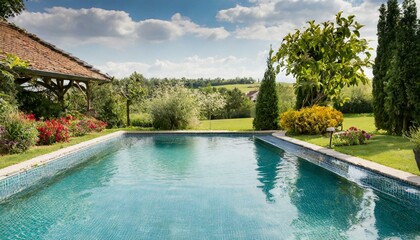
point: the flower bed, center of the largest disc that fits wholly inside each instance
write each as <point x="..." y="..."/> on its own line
<point x="19" y="132"/>
<point x="352" y="136"/>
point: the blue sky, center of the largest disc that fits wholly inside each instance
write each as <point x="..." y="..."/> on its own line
<point x="182" y="38"/>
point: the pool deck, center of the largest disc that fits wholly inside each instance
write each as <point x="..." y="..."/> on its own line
<point x="376" y="167"/>
<point x="387" y="171"/>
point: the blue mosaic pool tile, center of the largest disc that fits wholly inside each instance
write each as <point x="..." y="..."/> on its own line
<point x="398" y="190"/>
<point x="24" y="180"/>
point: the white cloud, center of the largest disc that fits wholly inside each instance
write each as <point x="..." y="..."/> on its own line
<point x="192" y="67"/>
<point x="271" y="20"/>
<point x="99" y="25"/>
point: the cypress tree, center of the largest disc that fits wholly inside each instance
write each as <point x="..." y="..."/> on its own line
<point x="414" y="90"/>
<point x="409" y="56"/>
<point x="267" y="110"/>
<point x="402" y="75"/>
<point x="391" y="71"/>
<point x="379" y="71"/>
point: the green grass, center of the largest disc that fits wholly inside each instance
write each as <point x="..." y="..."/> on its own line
<point x="237" y="124"/>
<point x="7" y="160"/>
<point x="391" y="151"/>
<point x="245" y="88"/>
<point x="362" y="121"/>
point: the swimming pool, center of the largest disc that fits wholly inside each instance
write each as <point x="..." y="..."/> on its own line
<point x="202" y="187"/>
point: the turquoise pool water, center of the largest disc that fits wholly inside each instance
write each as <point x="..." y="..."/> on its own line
<point x="203" y="187"/>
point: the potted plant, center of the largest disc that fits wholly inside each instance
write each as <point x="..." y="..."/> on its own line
<point x="415" y="138"/>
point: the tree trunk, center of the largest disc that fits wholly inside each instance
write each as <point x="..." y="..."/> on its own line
<point x="128" y="113"/>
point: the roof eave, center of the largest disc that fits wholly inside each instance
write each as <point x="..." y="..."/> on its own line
<point x="57" y="75"/>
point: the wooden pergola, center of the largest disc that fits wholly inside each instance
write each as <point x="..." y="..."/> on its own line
<point x="49" y="66"/>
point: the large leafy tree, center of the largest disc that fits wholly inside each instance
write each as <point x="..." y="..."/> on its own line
<point x="266" y="109"/>
<point x="378" y="88"/>
<point x="324" y="58"/>
<point x="132" y="89"/>
<point x="11" y="8"/>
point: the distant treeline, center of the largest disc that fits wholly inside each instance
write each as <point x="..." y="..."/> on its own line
<point x="202" y="82"/>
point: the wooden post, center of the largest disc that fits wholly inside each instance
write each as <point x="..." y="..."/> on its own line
<point x="88" y="97"/>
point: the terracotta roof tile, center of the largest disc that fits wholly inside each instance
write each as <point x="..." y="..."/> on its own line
<point x="44" y="56"/>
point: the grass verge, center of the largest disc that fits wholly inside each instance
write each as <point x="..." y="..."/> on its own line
<point x="237" y="124"/>
<point x="7" y="160"/>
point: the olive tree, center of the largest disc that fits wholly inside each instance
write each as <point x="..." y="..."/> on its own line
<point x="132" y="89"/>
<point x="173" y="107"/>
<point x="324" y="58"/>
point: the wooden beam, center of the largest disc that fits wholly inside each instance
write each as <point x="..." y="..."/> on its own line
<point x="56" y="75"/>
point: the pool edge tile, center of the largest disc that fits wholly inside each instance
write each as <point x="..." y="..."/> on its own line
<point x="372" y="166"/>
<point x="43" y="159"/>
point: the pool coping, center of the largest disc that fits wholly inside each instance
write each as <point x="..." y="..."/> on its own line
<point x="44" y="159"/>
<point x="372" y="166"/>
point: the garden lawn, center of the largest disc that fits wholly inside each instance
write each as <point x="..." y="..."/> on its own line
<point x="236" y="124"/>
<point x="7" y="160"/>
<point x="391" y="151"/>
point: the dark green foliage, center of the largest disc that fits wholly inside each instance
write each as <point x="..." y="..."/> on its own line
<point x="356" y="105"/>
<point x="396" y="91"/>
<point x="40" y="104"/>
<point x="108" y="105"/>
<point x="11" y="8"/>
<point x="267" y="110"/>
<point x="379" y="71"/>
<point x="409" y="63"/>
<point x="237" y="104"/>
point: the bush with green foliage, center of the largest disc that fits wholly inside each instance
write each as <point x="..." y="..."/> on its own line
<point x="267" y="109"/>
<point x="17" y="134"/>
<point x="360" y="100"/>
<point x="287" y="97"/>
<point x="414" y="137"/>
<point x="173" y="107"/>
<point x="311" y="120"/>
<point x="109" y="105"/>
<point x="142" y="120"/>
<point x="39" y="103"/>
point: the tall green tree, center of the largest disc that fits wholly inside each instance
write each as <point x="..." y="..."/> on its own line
<point x="402" y="72"/>
<point x="132" y="89"/>
<point x="11" y="8"/>
<point x="394" y="88"/>
<point x="324" y="58"/>
<point x="379" y="71"/>
<point x="267" y="110"/>
<point x="409" y="63"/>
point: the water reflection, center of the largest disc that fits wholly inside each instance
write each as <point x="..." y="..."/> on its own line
<point x="268" y="165"/>
<point x="322" y="197"/>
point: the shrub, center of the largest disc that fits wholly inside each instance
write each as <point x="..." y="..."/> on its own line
<point x="52" y="131"/>
<point x="18" y="134"/>
<point x="173" y="107"/>
<point x="414" y="137"/>
<point x="144" y="120"/>
<point x="353" y="136"/>
<point x="311" y="120"/>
